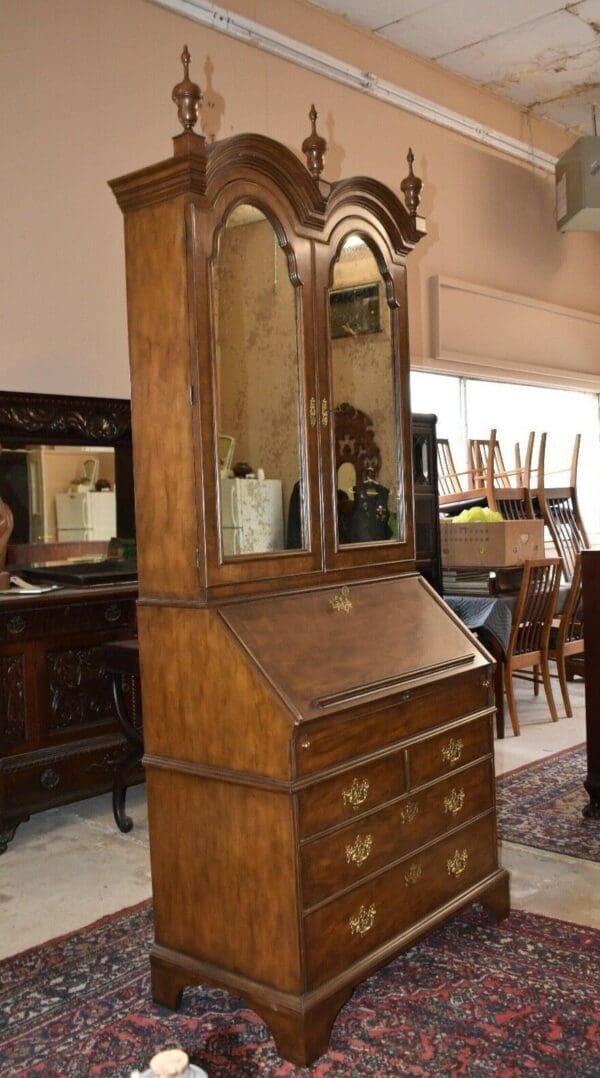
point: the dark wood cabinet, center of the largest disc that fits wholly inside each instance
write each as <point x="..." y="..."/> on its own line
<point x="318" y="740"/>
<point x="428" y="547"/>
<point x="59" y="738"/>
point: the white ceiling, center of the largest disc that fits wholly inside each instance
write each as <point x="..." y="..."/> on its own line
<point x="542" y="54"/>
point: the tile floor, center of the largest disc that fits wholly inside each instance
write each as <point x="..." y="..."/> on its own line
<point x="69" y="866"/>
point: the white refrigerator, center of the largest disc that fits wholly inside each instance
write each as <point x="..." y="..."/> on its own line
<point x="86" y="515"/>
<point x="251" y="516"/>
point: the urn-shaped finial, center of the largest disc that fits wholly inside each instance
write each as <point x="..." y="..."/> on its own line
<point x="411" y="187"/>
<point x="314" y="147"/>
<point x="187" y="95"/>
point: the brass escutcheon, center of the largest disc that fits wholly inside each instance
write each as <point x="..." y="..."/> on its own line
<point x="452" y="751"/>
<point x="457" y="864"/>
<point x="312" y="412"/>
<point x="363" y="921"/>
<point x="357" y="793"/>
<point x="305" y="743"/>
<point x="341" y="601"/>
<point x="359" y="850"/>
<point x="454" y="801"/>
<point x="408" y="813"/>
<point x="413" y="874"/>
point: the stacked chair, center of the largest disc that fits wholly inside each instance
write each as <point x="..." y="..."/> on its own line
<point x="539" y="633"/>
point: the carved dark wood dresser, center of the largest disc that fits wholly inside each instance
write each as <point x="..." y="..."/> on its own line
<point x="59" y="736"/>
<point x="318" y="725"/>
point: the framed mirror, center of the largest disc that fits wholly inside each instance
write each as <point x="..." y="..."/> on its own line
<point x="368" y="458"/>
<point x="66" y="473"/>
<point x="257" y="355"/>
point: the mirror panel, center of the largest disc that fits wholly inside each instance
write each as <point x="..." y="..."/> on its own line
<point x="44" y="485"/>
<point x="364" y="399"/>
<point x="256" y="345"/>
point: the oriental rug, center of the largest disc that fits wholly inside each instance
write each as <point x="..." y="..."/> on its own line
<point x="474" y="998"/>
<point x="540" y="805"/>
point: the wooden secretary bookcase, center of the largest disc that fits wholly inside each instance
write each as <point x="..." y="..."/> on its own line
<point x="318" y="725"/>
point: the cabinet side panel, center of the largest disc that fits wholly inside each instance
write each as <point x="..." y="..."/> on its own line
<point x="225" y="855"/>
<point x="166" y="490"/>
<point x="203" y="700"/>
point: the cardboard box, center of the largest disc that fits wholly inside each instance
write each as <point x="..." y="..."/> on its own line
<point x="505" y="542"/>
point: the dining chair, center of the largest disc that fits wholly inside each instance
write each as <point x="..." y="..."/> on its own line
<point x="530" y="631"/>
<point x="559" y="507"/>
<point x="566" y="637"/>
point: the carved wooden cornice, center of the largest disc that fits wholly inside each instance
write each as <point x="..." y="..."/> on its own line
<point x="63" y="420"/>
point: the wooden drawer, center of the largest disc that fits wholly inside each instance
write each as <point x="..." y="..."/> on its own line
<point x="437" y="756"/>
<point x="351" y="793"/>
<point x="53" y="620"/>
<point x="320" y="744"/>
<point x="348" y="928"/>
<point x="33" y="782"/>
<point x="340" y="859"/>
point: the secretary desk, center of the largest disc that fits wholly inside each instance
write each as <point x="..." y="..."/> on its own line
<point x="318" y="725"/>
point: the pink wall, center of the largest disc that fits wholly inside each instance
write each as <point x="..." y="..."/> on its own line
<point x="86" y="95"/>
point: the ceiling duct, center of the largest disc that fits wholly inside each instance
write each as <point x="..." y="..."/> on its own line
<point x="578" y="187"/>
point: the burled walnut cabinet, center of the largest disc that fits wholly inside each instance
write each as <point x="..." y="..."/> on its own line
<point x="317" y="724"/>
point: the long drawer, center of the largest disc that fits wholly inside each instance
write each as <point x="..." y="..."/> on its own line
<point x="343" y="857"/>
<point x="29" y="622"/>
<point x="324" y="743"/>
<point x="346" y="929"/>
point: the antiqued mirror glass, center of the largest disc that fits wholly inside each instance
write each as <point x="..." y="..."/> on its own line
<point x="255" y="311"/>
<point x="369" y="508"/>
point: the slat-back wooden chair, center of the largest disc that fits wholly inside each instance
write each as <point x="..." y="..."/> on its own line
<point x="455" y="488"/>
<point x="559" y="508"/>
<point x="566" y="639"/>
<point x="530" y="633"/>
<point x="512" y="501"/>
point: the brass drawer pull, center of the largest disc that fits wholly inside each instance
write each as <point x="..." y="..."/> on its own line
<point x="112" y="614"/>
<point x="457" y="864"/>
<point x="305" y="743"/>
<point x="363" y="922"/>
<point x="16" y="624"/>
<point x="485" y="681"/>
<point x="408" y="813"/>
<point x="452" y="750"/>
<point x="413" y="874"/>
<point x="358" y="851"/>
<point x="341" y="601"/>
<point x="454" y="801"/>
<point x="357" y="793"/>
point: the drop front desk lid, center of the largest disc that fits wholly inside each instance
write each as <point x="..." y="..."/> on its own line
<point x="332" y="648"/>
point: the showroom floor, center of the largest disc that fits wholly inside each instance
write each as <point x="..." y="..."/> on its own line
<point x="69" y="866"/>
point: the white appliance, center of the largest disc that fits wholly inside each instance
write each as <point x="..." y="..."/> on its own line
<point x="251" y="516"/>
<point x="84" y="515"/>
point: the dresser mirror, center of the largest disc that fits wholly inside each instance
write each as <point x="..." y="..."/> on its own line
<point x="363" y="372"/>
<point x="55" y="451"/>
<point x="257" y="349"/>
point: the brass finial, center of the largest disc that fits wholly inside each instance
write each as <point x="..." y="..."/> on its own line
<point x="187" y="95"/>
<point x="314" y="147"/>
<point x="411" y="187"/>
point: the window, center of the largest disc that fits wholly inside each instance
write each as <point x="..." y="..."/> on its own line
<point x="470" y="408"/>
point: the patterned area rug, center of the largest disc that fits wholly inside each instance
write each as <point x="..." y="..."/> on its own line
<point x="472" y="999"/>
<point x="540" y="805"/>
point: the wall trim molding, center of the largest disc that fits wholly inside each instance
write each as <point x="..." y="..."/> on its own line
<point x="260" y="36"/>
<point x="485" y="369"/>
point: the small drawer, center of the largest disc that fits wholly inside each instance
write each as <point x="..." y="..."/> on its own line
<point x="348" y="928"/>
<point x="437" y="756"/>
<point x="322" y="743"/>
<point x="340" y="859"/>
<point x="351" y="793"/>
